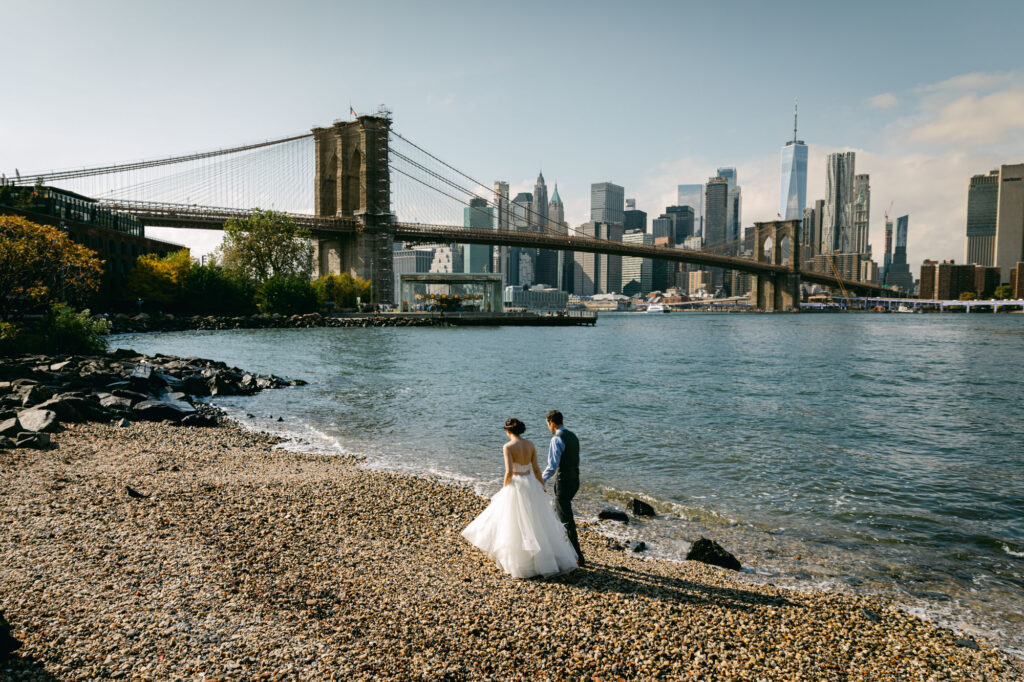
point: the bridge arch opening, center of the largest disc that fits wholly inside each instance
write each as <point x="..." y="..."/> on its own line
<point x="784" y="247"/>
<point x="350" y="183"/>
<point x="330" y="200"/>
<point x="766" y="250"/>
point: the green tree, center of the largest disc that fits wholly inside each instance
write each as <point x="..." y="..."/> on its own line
<point x="265" y="245"/>
<point x="40" y="265"/>
<point x="160" y="280"/>
<point x="968" y="296"/>
<point x="286" y="294"/>
<point x="214" y="290"/>
<point x="1003" y="292"/>
<point x="342" y="290"/>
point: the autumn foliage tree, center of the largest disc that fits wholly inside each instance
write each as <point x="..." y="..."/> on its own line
<point x="40" y="265"/>
<point x="159" y="280"/>
<point x="342" y="290"/>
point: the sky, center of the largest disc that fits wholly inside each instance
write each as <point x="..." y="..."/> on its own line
<point x="648" y="95"/>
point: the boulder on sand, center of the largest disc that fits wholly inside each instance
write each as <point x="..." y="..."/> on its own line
<point x="163" y="410"/>
<point x="613" y="515"/>
<point x="710" y="552"/>
<point x="42" y="421"/>
<point x="640" y="508"/>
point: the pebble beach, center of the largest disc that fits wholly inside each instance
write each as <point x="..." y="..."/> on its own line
<point x="248" y="562"/>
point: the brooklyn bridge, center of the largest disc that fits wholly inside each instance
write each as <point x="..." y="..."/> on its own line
<point x="359" y="187"/>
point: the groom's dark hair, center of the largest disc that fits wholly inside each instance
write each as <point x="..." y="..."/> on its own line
<point x="555" y="417"/>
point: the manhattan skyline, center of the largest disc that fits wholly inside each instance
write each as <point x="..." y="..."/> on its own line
<point x="933" y="100"/>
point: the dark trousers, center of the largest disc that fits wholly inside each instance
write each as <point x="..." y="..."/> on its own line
<point x="564" y="492"/>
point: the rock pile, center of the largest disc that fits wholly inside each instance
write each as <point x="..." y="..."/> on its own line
<point x="39" y="393"/>
<point x="143" y="322"/>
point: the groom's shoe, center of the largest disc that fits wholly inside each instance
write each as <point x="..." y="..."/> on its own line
<point x="581" y="562"/>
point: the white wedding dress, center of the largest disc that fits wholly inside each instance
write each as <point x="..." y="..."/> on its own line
<point x="521" y="531"/>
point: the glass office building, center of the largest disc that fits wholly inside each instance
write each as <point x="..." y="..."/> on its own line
<point x="793" y="196"/>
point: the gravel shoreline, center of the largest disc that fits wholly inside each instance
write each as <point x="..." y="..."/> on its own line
<point x="249" y="562"/>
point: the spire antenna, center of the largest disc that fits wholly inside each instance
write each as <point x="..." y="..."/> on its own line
<point x="796" y="102"/>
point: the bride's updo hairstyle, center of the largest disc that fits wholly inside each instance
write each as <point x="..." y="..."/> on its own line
<point x="513" y="425"/>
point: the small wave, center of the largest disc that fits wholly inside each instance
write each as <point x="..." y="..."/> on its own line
<point x="665" y="507"/>
<point x="1006" y="548"/>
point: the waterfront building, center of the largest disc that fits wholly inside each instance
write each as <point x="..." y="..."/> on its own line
<point x="793" y="188"/>
<point x="117" y="238"/>
<point x="598" y="273"/>
<point x="986" y="280"/>
<point x="844" y="265"/>
<point x="898" y="274"/>
<point x="837" y="224"/>
<point x="502" y="222"/>
<point x="634" y="219"/>
<point x="1009" y="242"/>
<point x="868" y="270"/>
<point x="699" y="281"/>
<point x="607" y="203"/>
<point x="537" y="297"/>
<point x="945" y="281"/>
<point x="410" y="262"/>
<point x="1017" y="281"/>
<point x="982" y="204"/>
<point x="637" y="273"/>
<point x="477" y="257"/>
<point x="693" y="196"/>
<point x="861" y="214"/>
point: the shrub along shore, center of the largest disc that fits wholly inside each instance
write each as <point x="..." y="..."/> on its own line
<point x="160" y="551"/>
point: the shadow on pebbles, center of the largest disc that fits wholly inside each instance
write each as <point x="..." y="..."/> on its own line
<point x="237" y="561"/>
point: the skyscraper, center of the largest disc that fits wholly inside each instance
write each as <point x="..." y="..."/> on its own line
<point x="887" y="257"/>
<point x="633" y="218"/>
<point x="899" y="274"/>
<point x="564" y="259"/>
<point x="682" y="222"/>
<point x="693" y="196"/>
<point x="607" y="203"/>
<point x="520" y="214"/>
<point x="636" y="272"/>
<point x="477" y="257"/>
<point x="733" y="205"/>
<point x="810" y="230"/>
<point x="837" y="225"/>
<point x="793" y="194"/>
<point x="716" y="212"/>
<point x="546" y="263"/>
<point x="502" y="222"/>
<point x="1010" y="219"/>
<point x="598" y="273"/>
<point x="861" y="213"/>
<point x="982" y="205"/>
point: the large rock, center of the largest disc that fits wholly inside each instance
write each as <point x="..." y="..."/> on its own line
<point x="710" y="552"/>
<point x="222" y="383"/>
<point x="32" y="439"/>
<point x="162" y="410"/>
<point x="133" y="396"/>
<point x="38" y="420"/>
<point x="73" y="408"/>
<point x="116" y="403"/>
<point x="10" y="427"/>
<point x="613" y="515"/>
<point x="640" y="508"/>
<point x="33" y="395"/>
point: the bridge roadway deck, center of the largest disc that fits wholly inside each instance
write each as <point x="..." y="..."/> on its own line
<point x="213" y="218"/>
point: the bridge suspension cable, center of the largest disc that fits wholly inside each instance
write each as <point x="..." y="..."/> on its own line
<point x="48" y="177"/>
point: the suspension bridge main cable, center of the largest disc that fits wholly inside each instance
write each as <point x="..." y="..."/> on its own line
<point x="51" y="176"/>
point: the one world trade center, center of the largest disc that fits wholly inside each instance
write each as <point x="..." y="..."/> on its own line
<point x="793" y="194"/>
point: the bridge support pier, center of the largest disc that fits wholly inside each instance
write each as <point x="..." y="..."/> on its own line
<point x="779" y="291"/>
<point x="353" y="181"/>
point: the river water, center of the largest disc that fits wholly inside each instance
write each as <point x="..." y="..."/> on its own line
<point x="866" y="452"/>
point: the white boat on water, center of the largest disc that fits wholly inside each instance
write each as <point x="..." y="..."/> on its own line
<point x="656" y="308"/>
<point x="904" y="309"/>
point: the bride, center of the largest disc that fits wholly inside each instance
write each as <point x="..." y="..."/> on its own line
<point x="519" y="528"/>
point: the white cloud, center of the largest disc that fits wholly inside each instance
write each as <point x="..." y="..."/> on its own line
<point x="967" y="82"/>
<point x="886" y="100"/>
<point x="971" y="119"/>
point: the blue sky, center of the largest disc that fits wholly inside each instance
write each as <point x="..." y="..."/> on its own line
<point x="645" y="94"/>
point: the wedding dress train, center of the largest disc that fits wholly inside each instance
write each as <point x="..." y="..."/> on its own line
<point x="520" y="530"/>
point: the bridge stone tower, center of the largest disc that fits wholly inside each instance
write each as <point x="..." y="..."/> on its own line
<point x="353" y="181"/>
<point x="780" y="291"/>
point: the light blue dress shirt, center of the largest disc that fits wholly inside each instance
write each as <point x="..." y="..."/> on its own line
<point x="555" y="450"/>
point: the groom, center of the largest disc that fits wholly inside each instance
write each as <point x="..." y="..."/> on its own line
<point x="564" y="465"/>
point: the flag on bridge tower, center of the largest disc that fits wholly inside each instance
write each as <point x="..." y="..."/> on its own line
<point x="352" y="111"/>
